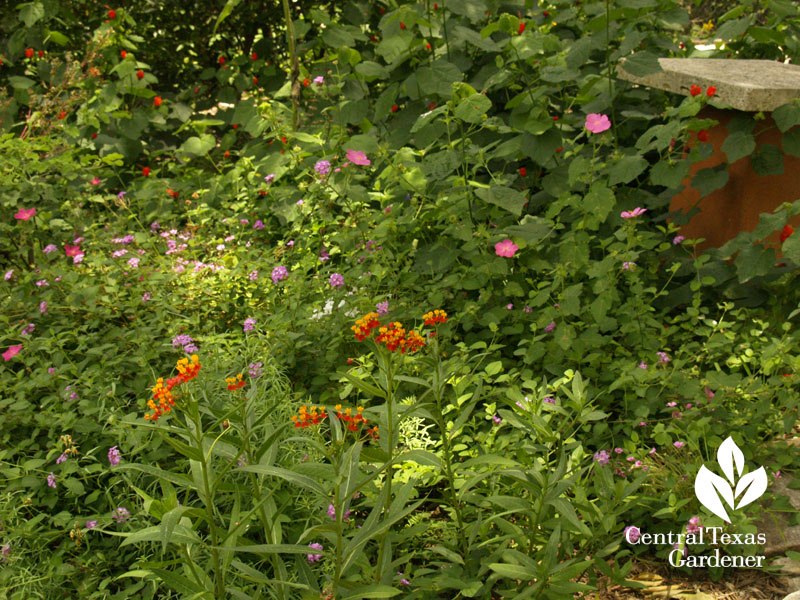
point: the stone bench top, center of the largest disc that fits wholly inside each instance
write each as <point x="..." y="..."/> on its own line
<point x="749" y="85"/>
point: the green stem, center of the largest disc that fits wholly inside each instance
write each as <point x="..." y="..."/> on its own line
<point x="608" y="65"/>
<point x="388" y="371"/>
<point x="219" y="581"/>
<point x="294" y="67"/>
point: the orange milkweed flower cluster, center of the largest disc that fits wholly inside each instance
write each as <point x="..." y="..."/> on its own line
<point x="306" y="418"/>
<point x="364" y="326"/>
<point x="435" y="317"/>
<point x="357" y="421"/>
<point x="234" y="383"/>
<point x="163" y="400"/>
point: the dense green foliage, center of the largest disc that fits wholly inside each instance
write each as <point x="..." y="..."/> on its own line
<point x="202" y="187"/>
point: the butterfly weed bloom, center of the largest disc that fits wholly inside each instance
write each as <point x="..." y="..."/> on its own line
<point x="307" y="417"/>
<point x="435" y="317"/>
<point x="234" y="383"/>
<point x="364" y="326"/>
<point x="163" y="399"/>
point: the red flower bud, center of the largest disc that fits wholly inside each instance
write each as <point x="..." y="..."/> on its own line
<point x="559" y="149"/>
<point x="235" y="126"/>
<point x="381" y="10"/>
<point x="221" y="60"/>
<point x="157" y="101"/>
<point x="682" y="45"/>
<point x="432" y="105"/>
<point x="786" y="232"/>
<point x="711" y="91"/>
<point x="255" y="80"/>
<point x="62" y="114"/>
<point x="521" y="28"/>
<point x="427" y="46"/>
<point x="254" y="56"/>
<point x="395" y="108"/>
<point x="523" y="171"/>
<point x="283" y="139"/>
<point x="146" y="172"/>
<point x="402" y="25"/>
<point x="546" y="14"/>
<point x="123" y="54"/>
<point x="555" y="118"/>
<point x="227" y="154"/>
<point x="306" y="82"/>
<point x="94" y="135"/>
<point x="695" y="90"/>
<point x="29" y="52"/>
<point x="349" y="361"/>
<point x="41" y="53"/>
<point x="435" y="6"/>
<point x="112" y="14"/>
<point x="702" y="135"/>
<point x="140" y="74"/>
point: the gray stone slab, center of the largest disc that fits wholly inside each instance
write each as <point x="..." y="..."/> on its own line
<point x="748" y="85"/>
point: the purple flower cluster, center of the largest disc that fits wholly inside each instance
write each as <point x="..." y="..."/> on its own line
<point x="114" y="456"/>
<point x="279" y="273"/>
<point x="183" y="340"/>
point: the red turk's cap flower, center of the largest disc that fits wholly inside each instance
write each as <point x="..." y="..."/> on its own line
<point x="306" y="82"/>
<point x="227" y="154"/>
<point x="123" y="54"/>
<point x="94" y="135"/>
<point x="395" y="108"/>
<point x="559" y="149"/>
<point x="381" y="10"/>
<point x="283" y="139"/>
<point x="702" y="135"/>
<point x="255" y="80"/>
<point x="695" y="90"/>
<point x="432" y="105"/>
<point x="786" y="232"/>
<point x="112" y="14"/>
<point x="41" y="53"/>
<point x="521" y="28"/>
<point x="402" y="25"/>
<point x="523" y="171"/>
<point x="427" y="46"/>
<point x="157" y="101"/>
<point x="555" y="118"/>
<point x="711" y="91"/>
<point x="29" y="52"/>
<point x="146" y="171"/>
<point x="140" y="74"/>
<point x="221" y="60"/>
<point x="62" y="114"/>
<point x="254" y="56"/>
<point x="235" y="126"/>
<point x="435" y="6"/>
<point x="546" y="14"/>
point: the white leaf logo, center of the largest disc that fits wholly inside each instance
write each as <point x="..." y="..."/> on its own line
<point x="710" y="487"/>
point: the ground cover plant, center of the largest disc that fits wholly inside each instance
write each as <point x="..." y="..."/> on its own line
<point x="370" y="300"/>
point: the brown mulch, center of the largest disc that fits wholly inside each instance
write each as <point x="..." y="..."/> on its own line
<point x="664" y="584"/>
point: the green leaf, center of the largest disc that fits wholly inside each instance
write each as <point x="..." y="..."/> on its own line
<point x="169" y="521"/>
<point x="513" y="571"/>
<point x="626" y="170"/>
<point x="198" y="146"/>
<point x="30" y="13"/>
<point x="422" y="457"/>
<point x="58" y="37"/>
<point x="372" y="70"/>
<point x="641" y="64"/>
<point x="786" y="116"/>
<point x="225" y="12"/>
<point x="599" y="202"/>
<point x="473" y="108"/>
<point x="670" y="175"/>
<point x="74" y="486"/>
<point x="179" y="583"/>
<point x="767" y="160"/>
<point x="738" y="145"/>
<point x="297" y="479"/>
<point x="176" y="478"/>
<point x="427" y="117"/>
<point x="791" y="142"/>
<point x="791" y="248"/>
<point x="180" y="535"/>
<point x="371" y="591"/>
<point x="505" y="197"/>
<point x="336" y="36"/>
<point x="531" y="229"/>
<point x="754" y="261"/>
<point x="21" y="83"/>
<point x="708" y="180"/>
